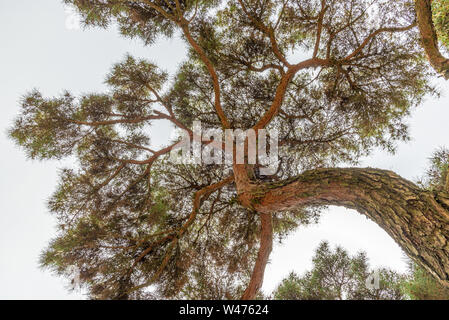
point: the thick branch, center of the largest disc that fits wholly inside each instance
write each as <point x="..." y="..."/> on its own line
<point x="319" y="28"/>
<point x="266" y="245"/>
<point x="429" y="38"/>
<point x="184" y="25"/>
<point x="418" y="220"/>
<point x="282" y="88"/>
<point x="211" y="69"/>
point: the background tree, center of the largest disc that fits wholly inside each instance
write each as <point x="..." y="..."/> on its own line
<point x="437" y="176"/>
<point x="335" y="78"/>
<point x="336" y="275"/>
<point x="420" y="285"/>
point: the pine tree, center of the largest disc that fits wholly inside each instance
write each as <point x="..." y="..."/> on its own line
<point x="138" y="225"/>
<point x="420" y="285"/>
<point x="336" y="275"/>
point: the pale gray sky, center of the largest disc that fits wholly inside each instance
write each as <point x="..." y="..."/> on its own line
<point x="38" y="51"/>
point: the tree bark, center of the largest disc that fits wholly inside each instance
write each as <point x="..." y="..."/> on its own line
<point x="417" y="219"/>
<point x="429" y="37"/>
<point x="266" y="245"/>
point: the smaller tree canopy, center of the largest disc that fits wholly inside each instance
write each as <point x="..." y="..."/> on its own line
<point x="420" y="285"/>
<point x="437" y="176"/>
<point x="338" y="276"/>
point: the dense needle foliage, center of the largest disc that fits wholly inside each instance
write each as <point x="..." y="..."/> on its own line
<point x="440" y="11"/>
<point x="129" y="219"/>
<point x="336" y="275"/>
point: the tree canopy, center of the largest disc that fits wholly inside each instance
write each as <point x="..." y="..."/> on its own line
<point x="336" y="275"/>
<point x="335" y="78"/>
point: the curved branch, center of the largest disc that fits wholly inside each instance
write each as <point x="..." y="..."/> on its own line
<point x="374" y="35"/>
<point x="211" y="69"/>
<point x="429" y="38"/>
<point x="282" y="88"/>
<point x="418" y="220"/>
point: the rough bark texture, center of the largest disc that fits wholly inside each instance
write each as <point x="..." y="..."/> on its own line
<point x="429" y="37"/>
<point x="266" y="245"/>
<point x="418" y="220"/>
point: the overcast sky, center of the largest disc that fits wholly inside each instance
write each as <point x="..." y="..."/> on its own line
<point x="38" y="50"/>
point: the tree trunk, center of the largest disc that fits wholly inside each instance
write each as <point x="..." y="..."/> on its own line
<point x="429" y="37"/>
<point x="266" y="245"/>
<point x="418" y="220"/>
